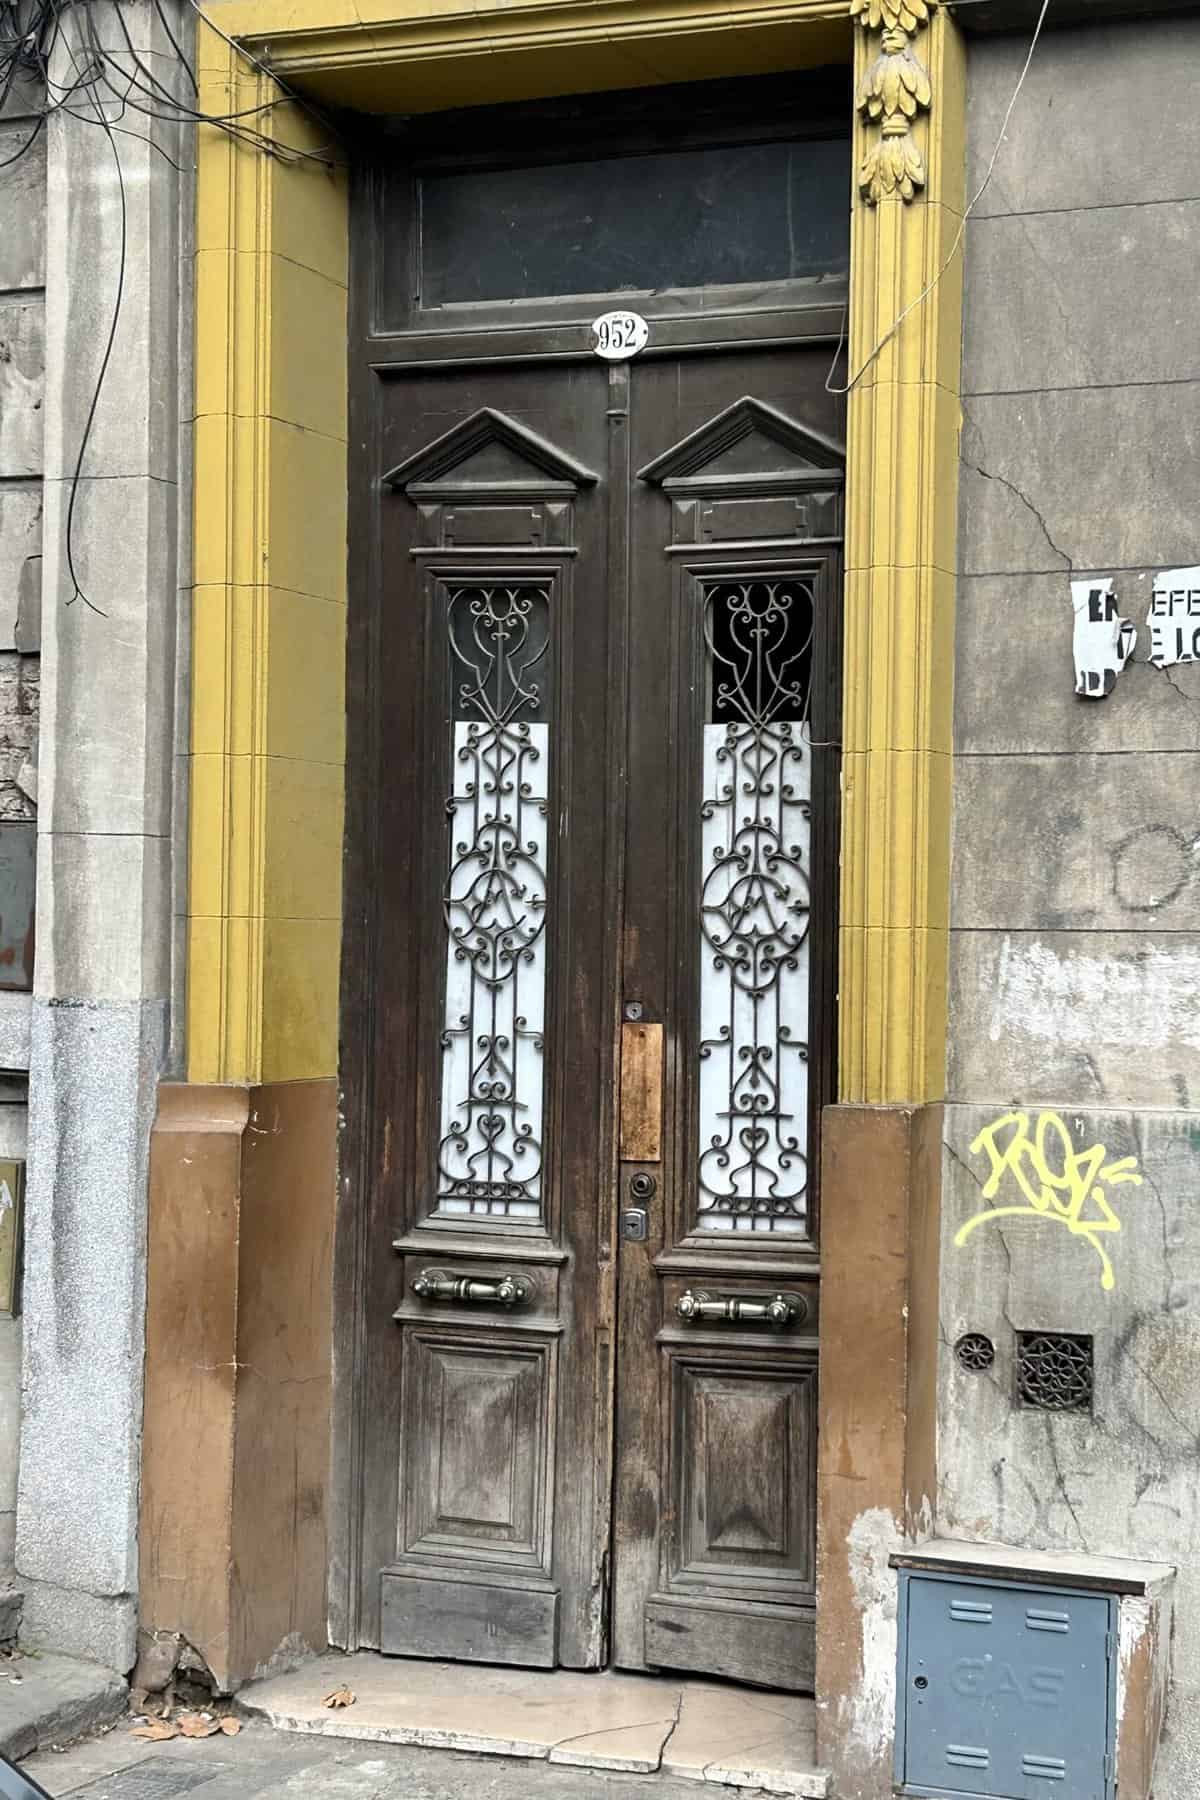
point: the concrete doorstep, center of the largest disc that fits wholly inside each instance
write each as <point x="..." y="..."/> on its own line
<point x="49" y="1700"/>
<point x="693" y="1730"/>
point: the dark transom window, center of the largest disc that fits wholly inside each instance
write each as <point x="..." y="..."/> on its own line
<point x="676" y="199"/>
<point x="690" y="218"/>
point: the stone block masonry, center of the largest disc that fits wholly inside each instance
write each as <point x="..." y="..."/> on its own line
<point x="100" y="1010"/>
<point x="22" y="369"/>
<point x="1075" y="916"/>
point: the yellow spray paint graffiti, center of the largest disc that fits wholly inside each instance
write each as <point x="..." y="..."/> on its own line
<point x="1058" y="1182"/>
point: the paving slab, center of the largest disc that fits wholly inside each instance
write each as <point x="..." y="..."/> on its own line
<point x="743" y="1738"/>
<point x="263" y="1764"/>
<point x="51" y="1699"/>
<point x="114" y="1762"/>
<point x="696" y="1731"/>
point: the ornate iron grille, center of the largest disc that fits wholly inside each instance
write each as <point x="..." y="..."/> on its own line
<point x="1054" y="1370"/>
<point x="754" y="907"/>
<point x="490" y="1155"/>
<point x="975" y="1351"/>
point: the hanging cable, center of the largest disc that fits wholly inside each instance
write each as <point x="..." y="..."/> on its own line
<point x="79" y="74"/>
<point x="976" y="197"/>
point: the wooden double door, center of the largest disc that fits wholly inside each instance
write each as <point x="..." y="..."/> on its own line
<point x="598" y="664"/>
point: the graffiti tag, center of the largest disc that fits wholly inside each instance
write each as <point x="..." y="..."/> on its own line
<point x="1056" y="1182"/>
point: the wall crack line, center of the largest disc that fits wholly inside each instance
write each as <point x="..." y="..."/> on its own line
<point x="1061" y="1484"/>
<point x="991" y="475"/>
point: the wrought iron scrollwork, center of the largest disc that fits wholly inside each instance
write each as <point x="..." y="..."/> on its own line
<point x="490" y="1155"/>
<point x="754" y="907"/>
<point x="1055" y="1370"/>
<point x="975" y="1351"/>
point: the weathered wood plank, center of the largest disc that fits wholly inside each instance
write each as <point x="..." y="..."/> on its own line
<point x="641" y="1092"/>
<point x="769" y="1647"/>
<point x="469" y="1621"/>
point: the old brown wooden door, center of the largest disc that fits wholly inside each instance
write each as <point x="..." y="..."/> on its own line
<point x="590" y="990"/>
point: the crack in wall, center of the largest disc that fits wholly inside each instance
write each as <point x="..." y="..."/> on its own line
<point x="1061" y="1484"/>
<point x="1167" y="676"/>
<point x="994" y="475"/>
<point x="1152" y="1382"/>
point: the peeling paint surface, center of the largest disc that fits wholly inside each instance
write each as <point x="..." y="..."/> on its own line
<point x="1143" y="1005"/>
<point x="1133" y="1625"/>
<point x="868" y="1714"/>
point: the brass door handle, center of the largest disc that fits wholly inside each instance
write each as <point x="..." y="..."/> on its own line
<point x="505" y="1290"/>
<point x="779" y="1311"/>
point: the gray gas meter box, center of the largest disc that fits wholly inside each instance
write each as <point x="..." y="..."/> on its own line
<point x="1005" y="1690"/>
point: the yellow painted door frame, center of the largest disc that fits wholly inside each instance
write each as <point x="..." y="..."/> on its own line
<point x="270" y="481"/>
<point x="268" y="700"/>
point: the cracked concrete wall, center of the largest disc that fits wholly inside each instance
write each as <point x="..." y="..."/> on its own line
<point x="22" y="358"/>
<point x="1075" y="940"/>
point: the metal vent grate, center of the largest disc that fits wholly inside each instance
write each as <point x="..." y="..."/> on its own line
<point x="1054" y="1370"/>
<point x="158" y="1778"/>
<point x="975" y="1351"/>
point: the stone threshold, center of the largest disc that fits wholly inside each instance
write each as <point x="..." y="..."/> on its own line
<point x="703" y="1731"/>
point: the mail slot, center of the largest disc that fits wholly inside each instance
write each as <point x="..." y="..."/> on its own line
<point x="1004" y="1689"/>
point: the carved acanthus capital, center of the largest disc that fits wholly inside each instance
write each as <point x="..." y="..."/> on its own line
<point x="894" y="89"/>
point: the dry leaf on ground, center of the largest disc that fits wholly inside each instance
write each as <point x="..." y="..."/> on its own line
<point x="342" y="1696"/>
<point x="158" y="1731"/>
<point x="194" y="1725"/>
<point x="230" y="1727"/>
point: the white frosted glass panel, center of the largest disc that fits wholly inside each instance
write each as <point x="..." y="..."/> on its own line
<point x="754" y="957"/>
<point x="490" y="1156"/>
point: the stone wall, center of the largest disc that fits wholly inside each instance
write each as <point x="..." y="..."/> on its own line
<point x="118" y="220"/>
<point x="1076" y="875"/>
<point x="22" y="366"/>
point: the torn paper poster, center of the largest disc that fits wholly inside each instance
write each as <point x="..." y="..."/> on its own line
<point x="1103" y="640"/>
<point x="1174" y="617"/>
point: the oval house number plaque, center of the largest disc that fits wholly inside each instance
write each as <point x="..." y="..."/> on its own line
<point x="619" y="335"/>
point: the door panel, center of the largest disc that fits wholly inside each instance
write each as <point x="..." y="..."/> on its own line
<point x="486" y="1526"/>
<point x="728" y="942"/>
<point x="484" y="1417"/>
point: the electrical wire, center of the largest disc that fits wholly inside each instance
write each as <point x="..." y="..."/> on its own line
<point x="85" y="438"/>
<point x="976" y="197"/>
<point x="74" y="71"/>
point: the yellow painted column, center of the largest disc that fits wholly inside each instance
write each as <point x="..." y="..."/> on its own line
<point x="901" y="534"/>
<point x="269" y="603"/>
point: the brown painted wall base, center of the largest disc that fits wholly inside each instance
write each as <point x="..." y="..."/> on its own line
<point x="236" y="1447"/>
<point x="235" y="1459"/>
<point x="876" y="1480"/>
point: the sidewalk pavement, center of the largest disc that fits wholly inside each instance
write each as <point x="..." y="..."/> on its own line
<point x="263" y="1764"/>
<point x="48" y="1700"/>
